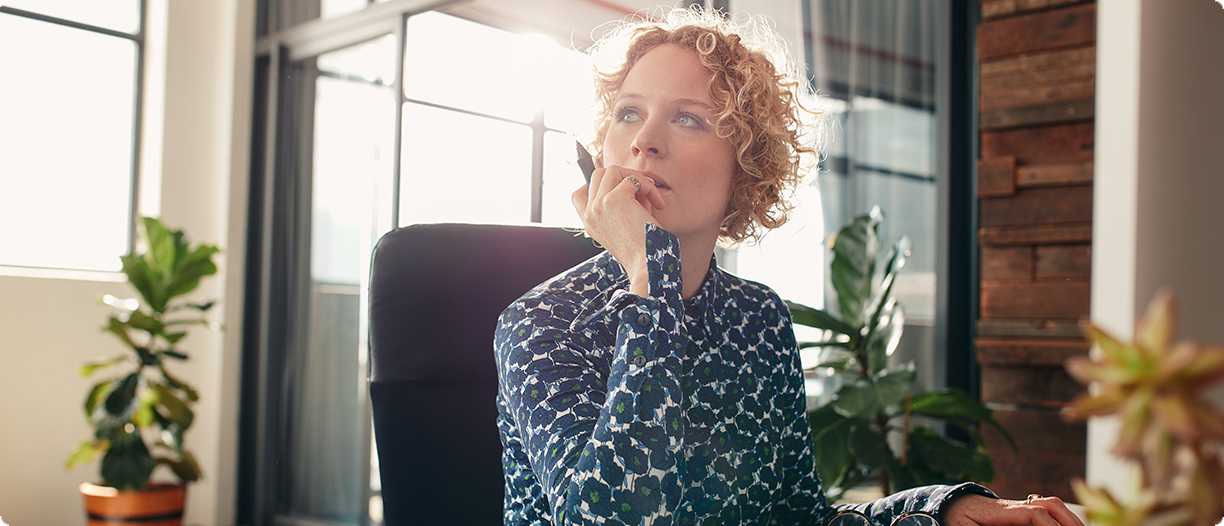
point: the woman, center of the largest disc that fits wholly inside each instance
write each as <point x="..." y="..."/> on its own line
<point x="647" y="386"/>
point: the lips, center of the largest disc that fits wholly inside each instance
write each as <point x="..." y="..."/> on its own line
<point x="658" y="182"/>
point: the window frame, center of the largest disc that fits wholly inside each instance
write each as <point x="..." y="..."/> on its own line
<point x="137" y="39"/>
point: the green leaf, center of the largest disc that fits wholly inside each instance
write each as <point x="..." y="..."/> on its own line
<point x="955" y="461"/>
<point x="127" y="464"/>
<point x="85" y="452"/>
<point x="195" y="266"/>
<point x="854" y="254"/>
<point x="830" y="434"/>
<point x="867" y="398"/>
<point x="883" y="341"/>
<point x="144" y="413"/>
<point x="96" y="394"/>
<point x="175" y="409"/>
<point x="119" y="329"/>
<point x="141" y="277"/>
<point x="186" y="467"/>
<point x="163" y="246"/>
<point x="883" y="306"/>
<point x="174" y="337"/>
<point x="170" y="353"/>
<point x="952" y="405"/>
<point x="145" y="322"/>
<point x="870" y="447"/>
<point x="88" y="368"/>
<point x="120" y="399"/>
<point x="174" y="382"/>
<point x="202" y="307"/>
<point x="804" y="315"/>
<point x="147" y="358"/>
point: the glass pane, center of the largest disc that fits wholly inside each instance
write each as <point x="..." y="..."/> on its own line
<point x="570" y="88"/>
<point x="354" y="134"/>
<point x="463" y="168"/>
<point x="462" y="64"/>
<point x="119" y="15"/>
<point x="65" y="145"/>
<point x="561" y="177"/>
<point x="877" y="57"/>
<point x="335" y="8"/>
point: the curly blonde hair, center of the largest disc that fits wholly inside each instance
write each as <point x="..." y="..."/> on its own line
<point x="755" y="91"/>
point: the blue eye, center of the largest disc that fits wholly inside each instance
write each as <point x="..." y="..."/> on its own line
<point x="689" y="120"/>
<point x="626" y="114"/>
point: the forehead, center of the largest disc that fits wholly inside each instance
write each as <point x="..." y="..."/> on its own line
<point x="668" y="71"/>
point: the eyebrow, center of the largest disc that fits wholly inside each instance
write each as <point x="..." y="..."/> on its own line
<point x="683" y="101"/>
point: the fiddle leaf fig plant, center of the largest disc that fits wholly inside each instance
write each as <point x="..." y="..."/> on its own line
<point x="139" y="415"/>
<point x="851" y="433"/>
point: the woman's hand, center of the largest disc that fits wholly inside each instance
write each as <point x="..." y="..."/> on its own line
<point x="976" y="510"/>
<point x="615" y="212"/>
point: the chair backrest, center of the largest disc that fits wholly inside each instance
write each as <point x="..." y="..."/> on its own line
<point x="435" y="294"/>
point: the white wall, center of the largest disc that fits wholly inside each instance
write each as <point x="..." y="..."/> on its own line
<point x="1159" y="187"/>
<point x="197" y="123"/>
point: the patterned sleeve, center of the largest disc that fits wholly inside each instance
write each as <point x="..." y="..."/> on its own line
<point x="601" y="447"/>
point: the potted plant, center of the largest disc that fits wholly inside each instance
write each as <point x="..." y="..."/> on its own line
<point x="1157" y="389"/>
<point x="140" y="414"/>
<point x="851" y="433"/>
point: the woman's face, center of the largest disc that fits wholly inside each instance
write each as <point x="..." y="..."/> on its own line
<point x="661" y="126"/>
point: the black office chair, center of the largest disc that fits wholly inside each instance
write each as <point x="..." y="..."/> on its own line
<point x="435" y="294"/>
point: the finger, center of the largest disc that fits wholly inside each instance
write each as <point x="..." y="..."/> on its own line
<point x="1058" y="511"/>
<point x="580" y="198"/>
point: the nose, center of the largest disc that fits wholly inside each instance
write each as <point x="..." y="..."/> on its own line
<point x="648" y="141"/>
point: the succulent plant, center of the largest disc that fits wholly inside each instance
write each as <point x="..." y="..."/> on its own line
<point x="1156" y="386"/>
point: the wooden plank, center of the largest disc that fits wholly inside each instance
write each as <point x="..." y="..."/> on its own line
<point x="1045" y="473"/>
<point x="1039" y="115"/>
<point x="1063" y="261"/>
<point x="1048" y="387"/>
<point x="1011" y="79"/>
<point x="1066" y="143"/>
<point x="1035" y="234"/>
<point x="1067" y="300"/>
<point x="996" y="176"/>
<point x="1036" y="430"/>
<point x="1070" y="26"/>
<point x="1038" y="206"/>
<point x="1001" y="8"/>
<point x="1049" y="352"/>
<point x="1054" y="174"/>
<point x="1019" y="96"/>
<point x="1040" y="67"/>
<point x="1007" y="263"/>
<point x="1029" y="328"/>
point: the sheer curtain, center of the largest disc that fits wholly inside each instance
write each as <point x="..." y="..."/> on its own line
<point x="873" y="63"/>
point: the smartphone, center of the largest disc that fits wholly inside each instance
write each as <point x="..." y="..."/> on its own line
<point x="585" y="161"/>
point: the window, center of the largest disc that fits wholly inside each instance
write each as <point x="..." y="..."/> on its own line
<point x="68" y="131"/>
<point x="480" y="128"/>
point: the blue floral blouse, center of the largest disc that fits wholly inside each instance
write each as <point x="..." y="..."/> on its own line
<point x="617" y="409"/>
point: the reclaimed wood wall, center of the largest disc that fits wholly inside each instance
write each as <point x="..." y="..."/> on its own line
<point x="1036" y="87"/>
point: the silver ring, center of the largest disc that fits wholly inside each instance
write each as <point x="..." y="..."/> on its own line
<point x="1033" y="496"/>
<point x="636" y="185"/>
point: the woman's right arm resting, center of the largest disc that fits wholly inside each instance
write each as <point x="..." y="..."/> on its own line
<point x="600" y="430"/>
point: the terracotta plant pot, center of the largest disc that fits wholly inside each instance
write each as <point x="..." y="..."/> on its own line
<point x="156" y="505"/>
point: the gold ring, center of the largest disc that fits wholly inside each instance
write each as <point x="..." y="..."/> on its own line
<point x="636" y="185"/>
